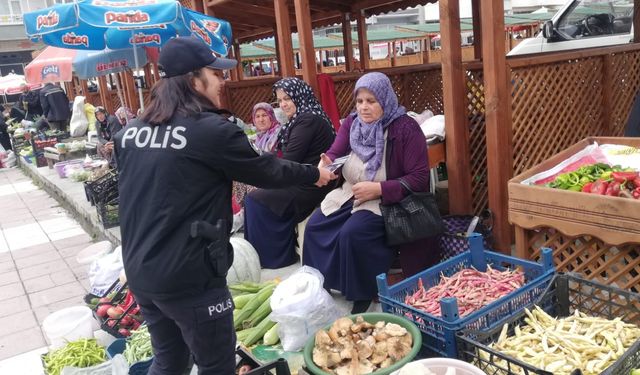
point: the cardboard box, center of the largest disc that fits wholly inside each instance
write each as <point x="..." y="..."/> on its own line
<point x="614" y="220"/>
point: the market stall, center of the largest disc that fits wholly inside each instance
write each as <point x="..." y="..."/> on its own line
<point x="595" y="233"/>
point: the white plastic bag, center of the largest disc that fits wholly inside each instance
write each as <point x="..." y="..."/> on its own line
<point x="105" y="271"/>
<point x="115" y="366"/>
<point x="303" y="306"/>
<point x="79" y="124"/>
<point x="433" y="127"/>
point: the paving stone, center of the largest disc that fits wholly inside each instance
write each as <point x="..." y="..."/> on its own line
<point x="81" y="271"/>
<point x="38" y="284"/>
<point x="11" y="290"/>
<point x="21" y="342"/>
<point x="72" y="241"/>
<point x="17" y="322"/>
<point x="9" y="277"/>
<point x="73" y="250"/>
<point x="14" y="305"/>
<point x="42" y="269"/>
<point x="32" y="250"/>
<point x="44" y="257"/>
<point x="6" y="255"/>
<point x="56" y="294"/>
<point x="62" y="277"/>
<point x="7" y="266"/>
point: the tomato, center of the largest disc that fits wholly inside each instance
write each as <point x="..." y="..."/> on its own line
<point x="101" y="311"/>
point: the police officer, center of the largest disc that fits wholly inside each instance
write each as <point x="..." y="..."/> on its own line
<point x="177" y="163"/>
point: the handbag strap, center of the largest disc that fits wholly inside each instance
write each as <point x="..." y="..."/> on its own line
<point x="406" y="186"/>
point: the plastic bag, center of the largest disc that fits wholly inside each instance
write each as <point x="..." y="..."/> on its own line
<point x="589" y="155"/>
<point x="105" y="271"/>
<point x="433" y="127"/>
<point x="303" y="306"/>
<point x="79" y="123"/>
<point x="115" y="366"/>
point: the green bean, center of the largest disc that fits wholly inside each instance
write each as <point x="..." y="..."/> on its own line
<point x="138" y="346"/>
<point x="81" y="353"/>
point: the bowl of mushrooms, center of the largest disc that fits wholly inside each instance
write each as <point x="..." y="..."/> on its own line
<point x="369" y="343"/>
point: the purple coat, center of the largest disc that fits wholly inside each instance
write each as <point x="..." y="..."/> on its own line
<point x="406" y="158"/>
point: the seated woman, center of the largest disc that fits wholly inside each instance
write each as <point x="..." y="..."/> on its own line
<point x="107" y="126"/>
<point x="345" y="238"/>
<point x="272" y="215"/>
<point x="267" y="127"/>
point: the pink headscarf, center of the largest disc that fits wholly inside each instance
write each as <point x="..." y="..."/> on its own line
<point x="267" y="140"/>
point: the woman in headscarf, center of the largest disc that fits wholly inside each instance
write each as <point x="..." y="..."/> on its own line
<point x="345" y="237"/>
<point x="267" y="127"/>
<point x="107" y="126"/>
<point x="272" y="215"/>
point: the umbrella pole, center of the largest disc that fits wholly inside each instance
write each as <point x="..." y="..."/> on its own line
<point x="119" y="91"/>
<point x="135" y="59"/>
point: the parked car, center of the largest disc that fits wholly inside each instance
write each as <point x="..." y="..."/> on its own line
<point x="582" y="24"/>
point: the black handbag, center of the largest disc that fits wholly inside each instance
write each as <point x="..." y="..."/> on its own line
<point x="413" y="218"/>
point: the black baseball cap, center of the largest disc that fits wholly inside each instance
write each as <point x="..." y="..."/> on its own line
<point x="185" y="54"/>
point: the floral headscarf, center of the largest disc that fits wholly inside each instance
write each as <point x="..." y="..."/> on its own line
<point x="367" y="139"/>
<point x="302" y="96"/>
<point x="124" y="113"/>
<point x="266" y="141"/>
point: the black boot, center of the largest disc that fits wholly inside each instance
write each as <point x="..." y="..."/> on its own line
<point x="360" y="306"/>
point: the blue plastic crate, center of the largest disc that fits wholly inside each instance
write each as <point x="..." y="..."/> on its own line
<point x="138" y="368"/>
<point x="439" y="332"/>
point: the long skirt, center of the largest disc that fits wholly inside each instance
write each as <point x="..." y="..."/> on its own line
<point x="271" y="235"/>
<point x="349" y="250"/>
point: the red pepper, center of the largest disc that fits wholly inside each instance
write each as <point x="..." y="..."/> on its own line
<point x="636" y="182"/>
<point x="624" y="176"/>
<point x="613" y="189"/>
<point x="636" y="193"/>
<point x="587" y="187"/>
<point x="599" y="187"/>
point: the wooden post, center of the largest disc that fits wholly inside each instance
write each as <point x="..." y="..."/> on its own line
<point x="456" y="123"/>
<point x="205" y="8"/>
<point x="156" y="73"/>
<point x="273" y="69"/>
<point x="85" y="88"/>
<point x="237" y="72"/>
<point x="497" y="119"/>
<point x="477" y="29"/>
<point x="283" y="37"/>
<point x="347" y="42"/>
<point x="389" y="54"/>
<point x="105" y="97"/>
<point x="363" y="43"/>
<point x="305" y="36"/>
<point x="393" y="54"/>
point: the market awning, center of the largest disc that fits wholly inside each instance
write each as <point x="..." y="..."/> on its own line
<point x="52" y="65"/>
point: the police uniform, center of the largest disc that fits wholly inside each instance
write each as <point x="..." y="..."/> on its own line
<point x="172" y="176"/>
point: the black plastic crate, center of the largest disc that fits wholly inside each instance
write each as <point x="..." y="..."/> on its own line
<point x="280" y="365"/>
<point x="108" y="213"/>
<point x="103" y="189"/>
<point x="566" y="293"/>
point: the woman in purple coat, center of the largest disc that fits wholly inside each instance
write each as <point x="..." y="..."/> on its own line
<point x="345" y="238"/>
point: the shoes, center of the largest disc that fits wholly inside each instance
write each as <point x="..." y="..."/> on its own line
<point x="360" y="306"/>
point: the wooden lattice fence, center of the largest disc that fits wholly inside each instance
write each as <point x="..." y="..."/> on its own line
<point x="477" y="137"/>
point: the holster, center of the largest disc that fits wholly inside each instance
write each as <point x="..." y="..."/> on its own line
<point x="219" y="251"/>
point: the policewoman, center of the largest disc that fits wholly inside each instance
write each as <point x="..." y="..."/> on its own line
<point x="177" y="163"/>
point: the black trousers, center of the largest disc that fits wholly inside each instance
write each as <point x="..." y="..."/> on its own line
<point x="201" y="325"/>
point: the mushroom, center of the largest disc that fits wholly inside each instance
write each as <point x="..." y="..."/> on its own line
<point x="386" y="363"/>
<point x="397" y="349"/>
<point x="360" y="325"/>
<point x="393" y="329"/>
<point x="333" y="359"/>
<point x="407" y="339"/>
<point x="343" y="325"/>
<point x="364" y="349"/>
<point x="379" y="352"/>
<point x="347" y="346"/>
<point x="381" y="336"/>
<point x="354" y="361"/>
<point x="365" y="367"/>
<point x="322" y="338"/>
<point x="344" y="370"/>
<point x="371" y="340"/>
<point x="379" y="325"/>
<point x="320" y="357"/>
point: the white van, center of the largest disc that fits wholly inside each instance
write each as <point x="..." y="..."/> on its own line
<point x="583" y="24"/>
